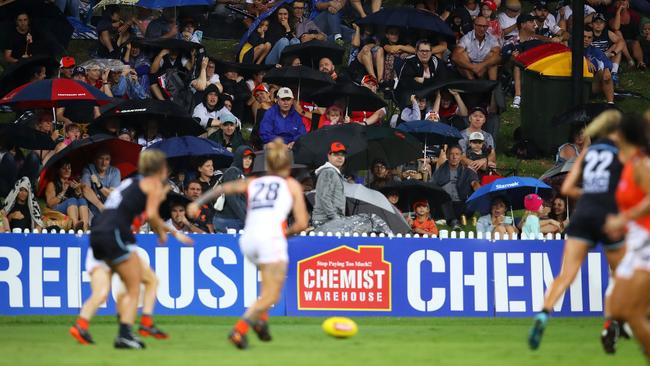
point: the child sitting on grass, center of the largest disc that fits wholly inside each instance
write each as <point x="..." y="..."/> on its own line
<point x="423" y="223"/>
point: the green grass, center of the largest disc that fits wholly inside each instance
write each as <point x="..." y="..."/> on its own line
<point x="300" y="341"/>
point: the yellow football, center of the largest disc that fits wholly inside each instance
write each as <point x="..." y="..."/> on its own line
<point x="340" y="327"/>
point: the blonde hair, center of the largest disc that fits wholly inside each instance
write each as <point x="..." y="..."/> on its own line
<point x="151" y="162"/>
<point x="277" y="156"/>
<point x="604" y="124"/>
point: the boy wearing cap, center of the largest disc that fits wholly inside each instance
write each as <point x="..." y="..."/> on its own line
<point x="66" y="67"/>
<point x="607" y="41"/>
<point x="329" y="203"/>
<point x="282" y="120"/>
<point x="423" y="224"/>
<point x="478" y="153"/>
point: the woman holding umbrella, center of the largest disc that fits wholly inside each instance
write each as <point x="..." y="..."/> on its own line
<point x="64" y="194"/>
<point x="497" y="221"/>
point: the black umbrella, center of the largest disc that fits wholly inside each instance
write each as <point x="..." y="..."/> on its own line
<point x="24" y="136"/>
<point x="172" y="119"/>
<point x="409" y="18"/>
<point x="18" y="74"/>
<point x="298" y="78"/>
<point x="413" y="190"/>
<point x="259" y="164"/>
<point x="245" y="70"/>
<point x="462" y="85"/>
<point x="582" y="114"/>
<point x="355" y="97"/>
<point x="311" y="52"/>
<point x="390" y="145"/>
<point x="169" y="43"/>
<point x="312" y="148"/>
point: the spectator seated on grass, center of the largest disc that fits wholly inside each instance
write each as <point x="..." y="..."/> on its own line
<point x="206" y="77"/>
<point x="609" y="42"/>
<point x="627" y="23"/>
<point x="558" y="216"/>
<point x="600" y="66"/>
<point x="497" y="221"/>
<point x="545" y="25"/>
<point x="229" y="135"/>
<point x="508" y="19"/>
<point x="489" y="11"/>
<point x="477" y="118"/>
<point x="422" y="223"/>
<point x="396" y="49"/>
<point x="572" y="148"/>
<point x="21" y="209"/>
<point x="451" y="108"/>
<point x="327" y="15"/>
<point x="455" y="179"/>
<point x="99" y="179"/>
<point x="478" y="156"/>
<point x="305" y="29"/>
<point x="420" y="109"/>
<point x="208" y="111"/>
<point x="256" y="47"/>
<point x="420" y="70"/>
<point x="282" y="120"/>
<point x="642" y="50"/>
<point x="150" y="135"/>
<point x="281" y="33"/>
<point x="477" y="54"/>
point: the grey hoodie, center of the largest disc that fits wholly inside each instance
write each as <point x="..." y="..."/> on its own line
<point x="330" y="195"/>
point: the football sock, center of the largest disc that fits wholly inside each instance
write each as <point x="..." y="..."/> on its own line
<point x="614" y="67"/>
<point x="146" y="320"/>
<point x="545" y="311"/>
<point x="82" y="323"/>
<point x="125" y="330"/>
<point x="242" y="325"/>
<point x="264" y="316"/>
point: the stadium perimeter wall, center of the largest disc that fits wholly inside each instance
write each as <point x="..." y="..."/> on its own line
<point x="328" y="275"/>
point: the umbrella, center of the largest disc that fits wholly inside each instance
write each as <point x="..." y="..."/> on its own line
<point x="432" y="133"/>
<point x="172" y="119"/>
<point x="170" y="43"/>
<point x="297" y="77"/>
<point x="409" y="18"/>
<point x="165" y="209"/>
<point x="188" y="146"/>
<point x="49" y="92"/>
<point x="19" y="73"/>
<point x="245" y="70"/>
<point x="582" y="114"/>
<point x="362" y="200"/>
<point x="387" y="144"/>
<point x="312" y="148"/>
<point x="413" y="190"/>
<point x="24" y="136"/>
<point x="104" y="63"/>
<point x="256" y="23"/>
<point x="462" y="85"/>
<point x="357" y="98"/>
<point x="260" y="161"/>
<point x="311" y="52"/>
<point x="124" y="156"/>
<point x="160" y="4"/>
<point x="558" y="169"/>
<point x="514" y="189"/>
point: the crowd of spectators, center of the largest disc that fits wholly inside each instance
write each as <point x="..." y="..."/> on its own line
<point x="148" y="55"/>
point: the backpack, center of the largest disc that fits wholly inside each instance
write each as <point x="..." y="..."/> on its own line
<point x="176" y="85"/>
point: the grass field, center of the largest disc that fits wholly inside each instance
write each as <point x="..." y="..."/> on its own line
<point x="30" y="340"/>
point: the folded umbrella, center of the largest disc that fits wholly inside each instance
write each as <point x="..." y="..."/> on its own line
<point x="311" y="52"/>
<point x="178" y="148"/>
<point x="124" y="156"/>
<point x="390" y="145"/>
<point x="513" y="189"/>
<point x="355" y="97"/>
<point x="172" y="119"/>
<point x="413" y="190"/>
<point x="312" y="148"/>
<point x="49" y="93"/>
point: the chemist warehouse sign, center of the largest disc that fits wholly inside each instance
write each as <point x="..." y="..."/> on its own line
<point x="44" y="274"/>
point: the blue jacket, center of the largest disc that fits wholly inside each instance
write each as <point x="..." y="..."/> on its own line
<point x="274" y="125"/>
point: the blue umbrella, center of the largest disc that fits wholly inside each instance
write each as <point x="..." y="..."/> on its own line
<point x="188" y="146"/>
<point x="432" y="133"/>
<point x="257" y="22"/>
<point x="513" y="189"/>
<point x="161" y="4"/>
<point x="409" y="18"/>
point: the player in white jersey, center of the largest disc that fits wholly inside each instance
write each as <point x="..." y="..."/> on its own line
<point x="270" y="201"/>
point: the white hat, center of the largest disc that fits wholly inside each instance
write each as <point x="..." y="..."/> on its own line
<point x="284" y="93"/>
<point x="476" y="136"/>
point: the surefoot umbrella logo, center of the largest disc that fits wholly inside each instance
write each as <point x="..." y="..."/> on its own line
<point x="345" y="279"/>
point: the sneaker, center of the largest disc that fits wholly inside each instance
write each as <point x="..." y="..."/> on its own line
<point x="609" y="336"/>
<point x="537" y="330"/>
<point x="128" y="342"/>
<point x="516" y="102"/>
<point x="262" y="330"/>
<point x="615" y="79"/>
<point x="152" y="331"/>
<point x="81" y="335"/>
<point x="239" y="340"/>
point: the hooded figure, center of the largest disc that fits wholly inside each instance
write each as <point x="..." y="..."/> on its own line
<point x="30" y="205"/>
<point x="329" y="203"/>
<point x="211" y="110"/>
<point x="233" y="214"/>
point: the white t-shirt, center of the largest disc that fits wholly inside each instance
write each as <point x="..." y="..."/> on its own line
<point x="505" y="21"/>
<point x="568" y="12"/>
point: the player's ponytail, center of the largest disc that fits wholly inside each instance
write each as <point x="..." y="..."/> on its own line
<point x="151" y="162"/>
<point x="278" y="157"/>
<point x="604" y="124"/>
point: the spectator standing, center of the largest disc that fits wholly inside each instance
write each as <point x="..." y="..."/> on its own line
<point x="21" y="208"/>
<point x="99" y="179"/>
<point x="203" y="220"/>
<point x="455" y="179"/>
<point x="478" y="52"/>
<point x="232" y="214"/>
<point x="329" y="203"/>
<point x="282" y="120"/>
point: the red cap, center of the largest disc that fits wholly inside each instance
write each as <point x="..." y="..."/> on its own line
<point x="67" y="62"/>
<point x="369" y="79"/>
<point x="336" y="147"/>
<point x="248" y="152"/>
<point x="420" y="203"/>
<point x="259" y="88"/>
<point x="490" y="4"/>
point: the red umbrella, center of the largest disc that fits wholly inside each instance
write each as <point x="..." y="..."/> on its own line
<point x="48" y="93"/>
<point x="124" y="156"/>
